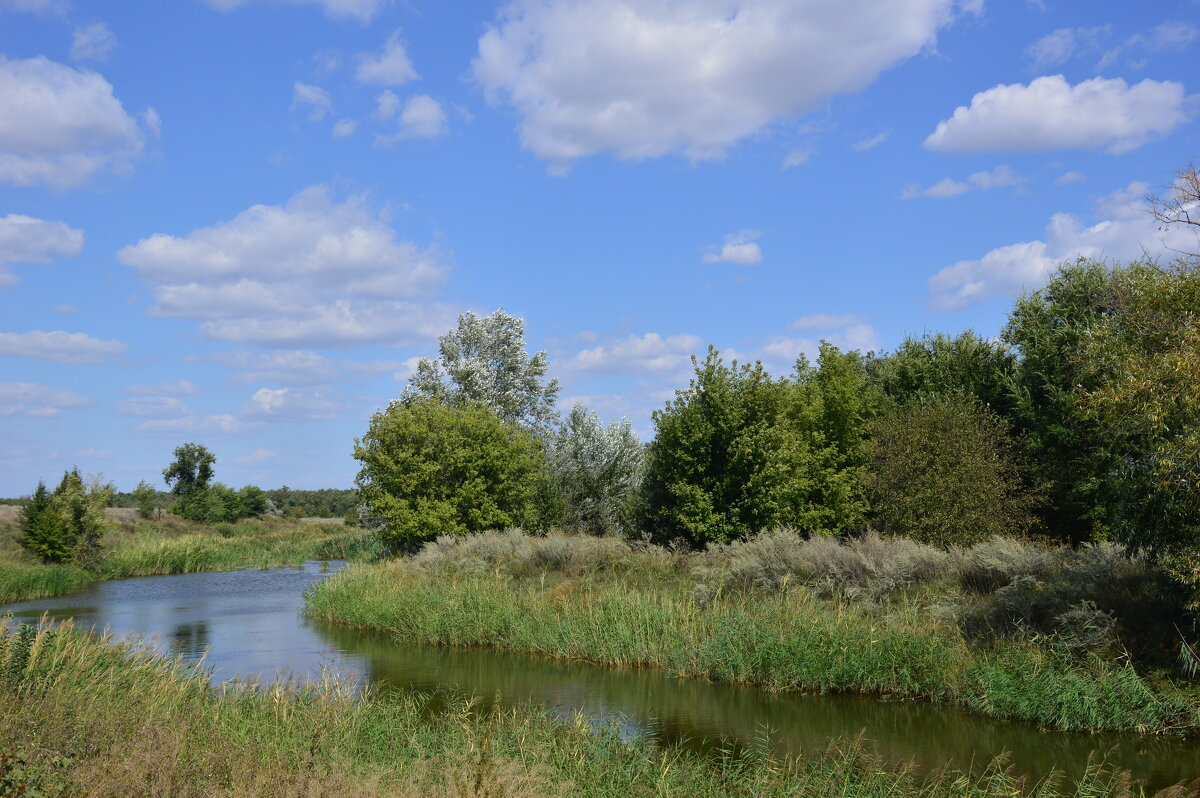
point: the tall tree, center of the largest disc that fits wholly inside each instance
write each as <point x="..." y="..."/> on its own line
<point x="938" y="364"/>
<point x="484" y="360"/>
<point x="596" y="471"/>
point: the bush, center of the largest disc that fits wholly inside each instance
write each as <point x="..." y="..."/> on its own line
<point x="522" y="555"/>
<point x="429" y="469"/>
<point x="66" y="525"/>
<point x="597" y="471"/>
<point x="944" y="470"/>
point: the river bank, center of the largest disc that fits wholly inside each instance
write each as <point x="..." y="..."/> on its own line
<point x="169" y="545"/>
<point x="117" y="720"/>
<point x="606" y="603"/>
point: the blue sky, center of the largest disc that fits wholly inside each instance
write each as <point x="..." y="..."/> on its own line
<point x="238" y="222"/>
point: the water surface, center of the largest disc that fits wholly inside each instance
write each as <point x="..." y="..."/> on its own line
<point x="249" y="624"/>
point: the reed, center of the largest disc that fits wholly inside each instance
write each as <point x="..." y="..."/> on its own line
<point x="95" y="717"/>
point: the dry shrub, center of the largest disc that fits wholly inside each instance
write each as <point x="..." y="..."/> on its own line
<point x="870" y="567"/>
<point x="520" y="554"/>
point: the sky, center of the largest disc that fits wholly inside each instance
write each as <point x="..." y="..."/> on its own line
<point x="240" y="222"/>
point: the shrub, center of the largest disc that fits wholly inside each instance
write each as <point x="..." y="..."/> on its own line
<point x="944" y="470"/>
<point x="66" y="526"/>
<point x="429" y="469"/>
<point x="520" y="554"/>
<point x="596" y="472"/>
<point x="145" y="497"/>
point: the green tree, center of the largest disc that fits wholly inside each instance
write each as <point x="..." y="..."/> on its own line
<point x="66" y="525"/>
<point x="41" y="529"/>
<point x="1070" y="453"/>
<point x="596" y="472"/>
<point x="188" y="476"/>
<point x="943" y="469"/>
<point x="938" y="364"/>
<point x="725" y="461"/>
<point x="484" y="360"/>
<point x="431" y="469"/>
<point x="145" y="497"/>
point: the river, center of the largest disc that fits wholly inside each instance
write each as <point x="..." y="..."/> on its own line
<point x="250" y="624"/>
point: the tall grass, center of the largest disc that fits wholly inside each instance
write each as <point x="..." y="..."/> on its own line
<point x="21" y="581"/>
<point x="81" y="716"/>
<point x="786" y="638"/>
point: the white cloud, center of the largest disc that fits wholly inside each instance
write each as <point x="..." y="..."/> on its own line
<point x="153" y="407"/>
<point x="224" y="424"/>
<point x="24" y="239"/>
<point x="643" y="78"/>
<point x="93" y="42"/>
<point x="59" y="346"/>
<point x="825" y="321"/>
<point x="1170" y="35"/>
<point x="314" y="98"/>
<point x="422" y="118"/>
<point x="36" y="401"/>
<point x="298" y="367"/>
<point x="1000" y="177"/>
<point x="386" y="104"/>
<point x="361" y="10"/>
<point x="798" y="157"/>
<point x="847" y="332"/>
<point x="389" y="67"/>
<point x="1064" y="44"/>
<point x="259" y="456"/>
<point x="312" y="272"/>
<point x="93" y="453"/>
<point x="59" y="125"/>
<point x="1125" y="232"/>
<point x="739" y="248"/>
<point x="1069" y="178"/>
<point x="1050" y="114"/>
<point x="873" y="142"/>
<point x="152" y="122"/>
<point x="178" y="388"/>
<point x="645" y="354"/>
<point x="344" y="128"/>
<point x="66" y="309"/>
<point x="286" y="404"/>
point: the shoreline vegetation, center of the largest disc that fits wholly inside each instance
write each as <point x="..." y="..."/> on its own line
<point x="133" y="546"/>
<point x="780" y="611"/>
<point x="115" y="719"/>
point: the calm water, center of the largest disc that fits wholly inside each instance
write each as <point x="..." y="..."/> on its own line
<point x="250" y="624"/>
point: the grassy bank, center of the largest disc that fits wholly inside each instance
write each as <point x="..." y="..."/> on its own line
<point x="171" y="546"/>
<point x="116" y="721"/>
<point x="601" y="601"/>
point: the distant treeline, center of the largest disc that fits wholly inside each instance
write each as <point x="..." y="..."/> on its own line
<point x="322" y="503"/>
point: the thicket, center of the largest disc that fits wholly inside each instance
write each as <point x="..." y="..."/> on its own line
<point x="65" y="525"/>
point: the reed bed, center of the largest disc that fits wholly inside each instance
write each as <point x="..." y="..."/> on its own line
<point x="82" y="716"/>
<point x="786" y="639"/>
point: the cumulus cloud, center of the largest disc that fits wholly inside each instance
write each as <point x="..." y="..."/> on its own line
<point x="24" y="239"/>
<point x="361" y="10"/>
<point x="637" y="354"/>
<point x="1125" y="232"/>
<point x="59" y="126"/>
<point x="642" y="78"/>
<point x="223" y="424"/>
<point x="1000" y="177"/>
<point x="153" y="407"/>
<point x="311" y="272"/>
<point x="739" y="248"/>
<point x="93" y="42"/>
<point x="386" y="104"/>
<point x="1069" y="178"/>
<point x="422" y="118"/>
<point x="314" y="98"/>
<point x="389" y="67"/>
<point x="1050" y="114"/>
<point x="297" y="367"/>
<point x="36" y="401"/>
<point x="846" y="331"/>
<point x="258" y="456"/>
<point x="287" y="404"/>
<point x="60" y="347"/>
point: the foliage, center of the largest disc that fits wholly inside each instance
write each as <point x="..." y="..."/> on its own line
<point x="432" y="469"/>
<point x="944" y="470"/>
<point x="484" y="360"/>
<point x="596" y="472"/>
<point x="725" y="461"/>
<point x="191" y="471"/>
<point x="146" y="499"/>
<point x="1069" y="451"/>
<point x="1147" y="347"/>
<point x="514" y="552"/>
<point x="322" y="503"/>
<point x="66" y="525"/>
<point x="938" y="364"/>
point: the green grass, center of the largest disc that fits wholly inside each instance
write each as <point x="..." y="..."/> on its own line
<point x="80" y="716"/>
<point x="788" y="640"/>
<point x="170" y="546"/>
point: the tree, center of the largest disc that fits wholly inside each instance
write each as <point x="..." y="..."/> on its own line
<point x="41" y="531"/>
<point x="431" y="469"/>
<point x="66" y="525"/>
<point x="943" y="469"/>
<point x="724" y="462"/>
<point x="146" y="499"/>
<point x="939" y="364"/>
<point x="596" y="471"/>
<point x="1180" y="209"/>
<point x="188" y="477"/>
<point x="484" y="360"/>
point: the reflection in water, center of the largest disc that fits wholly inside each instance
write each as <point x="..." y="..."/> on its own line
<point x="250" y="624"/>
